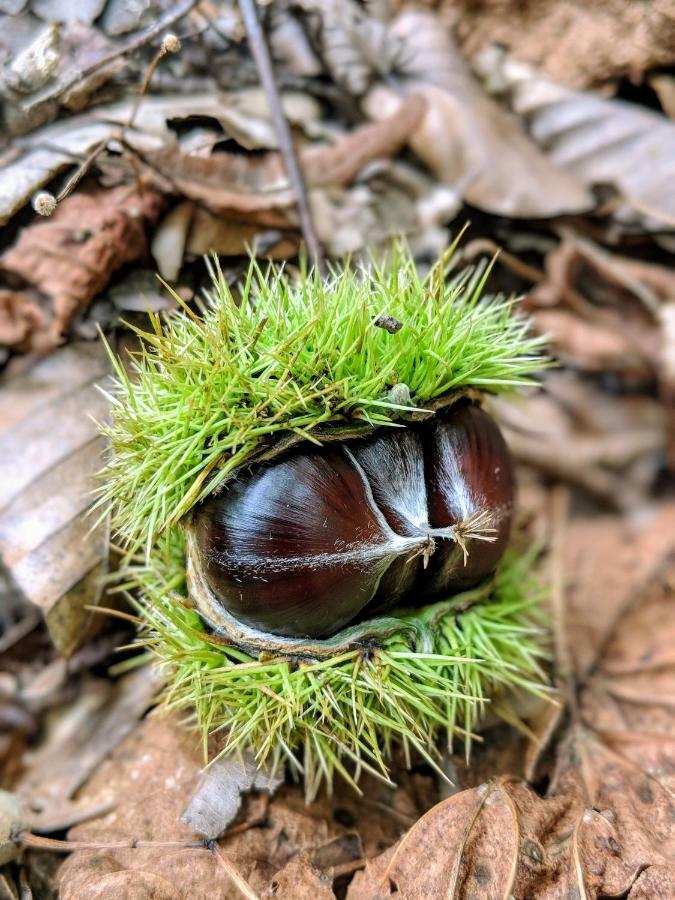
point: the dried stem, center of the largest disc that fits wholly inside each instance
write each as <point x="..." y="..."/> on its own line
<point x="263" y="61"/>
<point x="38" y="842"/>
<point x="236" y="876"/>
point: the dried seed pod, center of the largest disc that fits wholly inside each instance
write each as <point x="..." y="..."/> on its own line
<point x="310" y="543"/>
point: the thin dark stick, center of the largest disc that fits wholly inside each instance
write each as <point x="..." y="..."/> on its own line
<point x="160" y="26"/>
<point x="261" y="55"/>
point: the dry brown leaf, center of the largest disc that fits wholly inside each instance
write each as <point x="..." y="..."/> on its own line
<point x="465" y="138"/>
<point x="67" y="259"/>
<point x="656" y="881"/>
<point x="50" y="453"/>
<point x="340" y="164"/>
<point x="248" y="199"/>
<point x="579" y="46"/>
<point x="228" y="236"/>
<point x="611" y="313"/>
<point x="611" y="446"/>
<point x="598" y="595"/>
<point x="226" y="182"/>
<point x="608" y="814"/>
<point x="606" y="346"/>
<point x="601" y="141"/>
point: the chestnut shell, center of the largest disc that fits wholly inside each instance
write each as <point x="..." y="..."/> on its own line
<point x="320" y="538"/>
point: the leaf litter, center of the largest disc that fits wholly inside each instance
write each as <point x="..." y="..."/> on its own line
<point x="403" y="123"/>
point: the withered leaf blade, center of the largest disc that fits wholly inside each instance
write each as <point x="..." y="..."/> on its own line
<point x="465" y="138"/>
<point x="601" y="141"/>
<point x="50" y="451"/>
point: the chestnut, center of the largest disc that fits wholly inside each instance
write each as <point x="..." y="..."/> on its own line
<point x="319" y="538"/>
<point x="469" y="472"/>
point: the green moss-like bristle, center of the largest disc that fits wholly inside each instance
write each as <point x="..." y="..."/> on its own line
<point x="348" y="713"/>
<point x="290" y="355"/>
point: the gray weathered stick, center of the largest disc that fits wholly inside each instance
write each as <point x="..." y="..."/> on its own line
<point x="263" y="61"/>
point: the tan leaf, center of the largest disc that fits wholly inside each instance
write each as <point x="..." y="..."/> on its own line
<point x="465" y="138"/>
<point x="598" y="595"/>
<point x="340" y="164"/>
<point x="656" y="881"/>
<point x="226" y="182"/>
<point x="600" y="141"/>
<point x="610" y="446"/>
<point x="50" y="453"/>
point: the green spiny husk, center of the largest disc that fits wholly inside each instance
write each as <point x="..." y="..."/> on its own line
<point x="302" y="360"/>
<point x="288" y="357"/>
<point x="435" y="676"/>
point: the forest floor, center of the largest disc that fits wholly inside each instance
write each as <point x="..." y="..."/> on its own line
<point x="152" y="135"/>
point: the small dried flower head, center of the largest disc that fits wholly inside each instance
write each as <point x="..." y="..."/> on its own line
<point x="43" y="203"/>
<point x="170" y="43"/>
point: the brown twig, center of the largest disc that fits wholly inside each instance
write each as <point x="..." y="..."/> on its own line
<point x="234" y="873"/>
<point x="261" y="55"/>
<point x="38" y="842"/>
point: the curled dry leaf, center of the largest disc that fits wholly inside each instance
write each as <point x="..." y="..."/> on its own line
<point x="608" y="313"/>
<point x="53" y="148"/>
<point x="61" y="263"/>
<point x="600" y="141"/>
<point x="242" y="197"/>
<point x="49" y="440"/>
<point x="340" y="164"/>
<point x="465" y="138"/>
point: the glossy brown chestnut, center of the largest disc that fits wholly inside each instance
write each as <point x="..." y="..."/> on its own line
<point x="469" y="470"/>
<point x="309" y="543"/>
